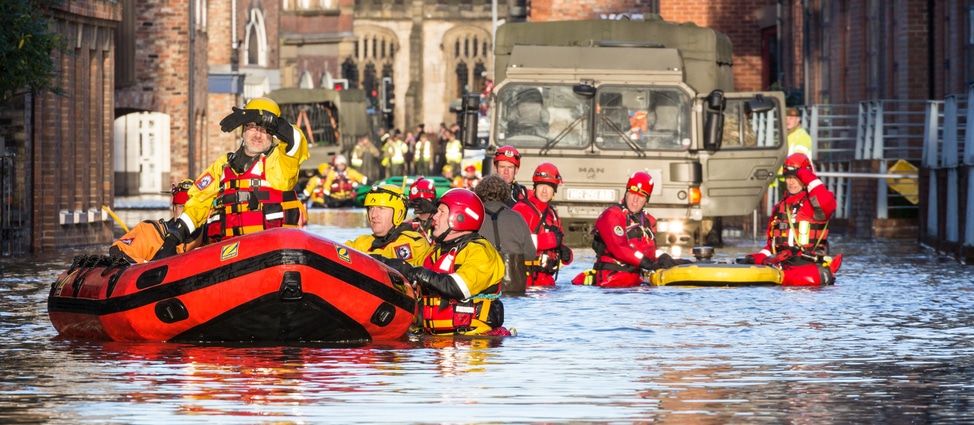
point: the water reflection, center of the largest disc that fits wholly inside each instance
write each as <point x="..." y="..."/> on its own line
<point x="892" y="342"/>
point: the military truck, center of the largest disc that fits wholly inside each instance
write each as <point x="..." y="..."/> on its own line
<point x="603" y="99"/>
<point x="331" y="119"/>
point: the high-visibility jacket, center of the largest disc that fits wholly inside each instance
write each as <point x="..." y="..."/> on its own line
<point x="280" y="168"/>
<point x="453" y="151"/>
<point x="402" y="242"/>
<point x="424" y="150"/>
<point x="476" y="268"/>
<point x="342" y="184"/>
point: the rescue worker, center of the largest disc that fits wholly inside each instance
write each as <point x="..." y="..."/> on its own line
<point x="507" y="160"/>
<point x="449" y="173"/>
<point x="470" y="177"/>
<point x="341" y="184"/>
<point x="453" y="151"/>
<point x="798" y="227"/>
<point x="364" y="158"/>
<point x="423" y="155"/>
<point x="624" y="239"/>
<point x="251" y="189"/>
<point x="545" y="226"/>
<point x="394" y="155"/>
<point x="143" y="242"/>
<point x="314" y="191"/>
<point x="507" y="231"/>
<point x="391" y="237"/>
<point x="799" y="141"/>
<point x="460" y="279"/>
<point x="422" y="199"/>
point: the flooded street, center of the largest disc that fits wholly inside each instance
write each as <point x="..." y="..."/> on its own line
<point x="892" y="342"/>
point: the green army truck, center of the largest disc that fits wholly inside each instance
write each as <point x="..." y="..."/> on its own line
<point x="331" y="119"/>
<point x="603" y="99"/>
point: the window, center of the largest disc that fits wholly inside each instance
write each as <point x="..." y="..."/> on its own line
<point x="551" y="116"/>
<point x="647" y="118"/>
<point x="255" y="41"/>
<point x="744" y="129"/>
<point x="467" y="50"/>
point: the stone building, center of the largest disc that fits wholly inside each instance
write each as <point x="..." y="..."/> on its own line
<point x="431" y="51"/>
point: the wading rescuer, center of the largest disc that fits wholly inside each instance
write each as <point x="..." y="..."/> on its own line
<point x="546" y="231"/>
<point x="422" y="199"/>
<point x="391" y="237"/>
<point x="799" y="225"/>
<point x="460" y="279"/>
<point x="250" y="189"/>
<point x="507" y="160"/>
<point x="624" y="240"/>
<point x="144" y="241"/>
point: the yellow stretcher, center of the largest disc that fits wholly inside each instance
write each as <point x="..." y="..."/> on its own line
<point x="717" y="275"/>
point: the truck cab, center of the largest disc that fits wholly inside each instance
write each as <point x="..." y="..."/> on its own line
<point x="604" y="99"/>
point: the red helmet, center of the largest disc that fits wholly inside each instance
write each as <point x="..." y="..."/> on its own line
<point x="641" y="183"/>
<point x="547" y="173"/>
<point x="466" y="209"/>
<point x="422" y="188"/>
<point x="509" y="154"/>
<point x="795" y="162"/>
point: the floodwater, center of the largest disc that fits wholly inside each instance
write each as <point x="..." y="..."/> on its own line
<point x="892" y="342"/>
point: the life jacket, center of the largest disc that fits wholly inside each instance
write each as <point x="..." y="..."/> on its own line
<point x="247" y="204"/>
<point x="801" y="225"/>
<point x="548" y="261"/>
<point x="341" y="186"/>
<point x="638" y="227"/>
<point x="475" y="315"/>
<point x="454" y="151"/>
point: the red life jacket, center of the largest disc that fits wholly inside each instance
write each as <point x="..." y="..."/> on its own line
<point x="247" y="204"/>
<point x="799" y="222"/>
<point x="447" y="316"/>
<point x="341" y="186"/>
<point x="638" y="231"/>
<point x="548" y="228"/>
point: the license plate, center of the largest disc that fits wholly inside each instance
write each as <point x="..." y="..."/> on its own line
<point x="591" y="195"/>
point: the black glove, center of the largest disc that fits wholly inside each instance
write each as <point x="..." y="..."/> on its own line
<point x="395" y="263"/>
<point x="176" y="233"/>
<point x="280" y="128"/>
<point x="565" y="254"/>
<point x="439" y="282"/>
<point x="238" y="118"/>
<point x="559" y="236"/>
<point x="747" y="259"/>
<point x="664" y="261"/>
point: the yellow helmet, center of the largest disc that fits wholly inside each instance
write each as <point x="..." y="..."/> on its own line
<point x="265" y="104"/>
<point x="390" y="196"/>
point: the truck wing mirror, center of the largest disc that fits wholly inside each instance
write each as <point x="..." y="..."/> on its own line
<point x="584" y="89"/>
<point x="713" y="129"/>
<point x="470" y="112"/>
<point x="758" y="105"/>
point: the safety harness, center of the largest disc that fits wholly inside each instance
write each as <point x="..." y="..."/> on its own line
<point x="475" y="315"/>
<point x="247" y="204"/>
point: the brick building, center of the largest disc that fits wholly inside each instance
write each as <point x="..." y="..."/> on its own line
<point x="162" y="69"/>
<point x="61" y="172"/>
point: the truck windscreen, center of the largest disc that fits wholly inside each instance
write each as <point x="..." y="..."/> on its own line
<point x="545" y="116"/>
<point x="642" y="118"/>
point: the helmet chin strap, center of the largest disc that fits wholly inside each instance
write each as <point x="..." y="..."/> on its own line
<point x="439" y="239"/>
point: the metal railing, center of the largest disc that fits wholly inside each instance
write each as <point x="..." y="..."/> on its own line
<point x="948" y="156"/>
<point x="13" y="217"/>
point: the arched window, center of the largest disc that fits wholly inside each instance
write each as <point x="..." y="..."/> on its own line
<point x="375" y="50"/>
<point x="305" y="82"/>
<point x="255" y="40"/>
<point x="467" y="50"/>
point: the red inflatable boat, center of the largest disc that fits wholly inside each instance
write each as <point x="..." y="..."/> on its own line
<point x="279" y="285"/>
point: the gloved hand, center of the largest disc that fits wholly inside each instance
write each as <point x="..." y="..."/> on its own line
<point x="664" y="261"/>
<point x="806" y="176"/>
<point x="280" y="128"/>
<point x="176" y="233"/>
<point x="747" y="259"/>
<point x="565" y="254"/>
<point x="780" y="257"/>
<point x="755" y="258"/>
<point x="439" y="282"/>
<point x="238" y="118"/>
<point x="395" y="263"/>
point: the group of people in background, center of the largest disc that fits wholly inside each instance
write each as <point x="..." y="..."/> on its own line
<point x="464" y="248"/>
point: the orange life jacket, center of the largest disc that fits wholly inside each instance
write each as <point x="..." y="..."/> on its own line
<point x="446" y="316"/>
<point x="248" y="204"/>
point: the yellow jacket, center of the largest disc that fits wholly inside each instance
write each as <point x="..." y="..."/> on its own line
<point x="281" y="173"/>
<point x="404" y="244"/>
<point x="477" y="266"/>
